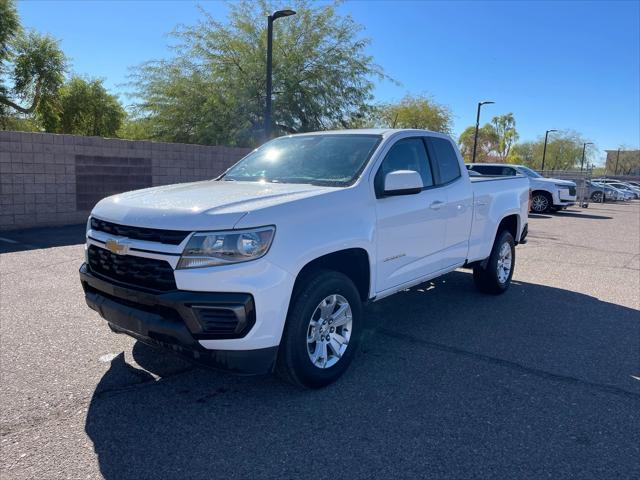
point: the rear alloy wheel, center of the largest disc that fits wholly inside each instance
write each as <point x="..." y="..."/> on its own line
<point x="540" y="203"/>
<point x="596" y="197"/>
<point x="495" y="276"/>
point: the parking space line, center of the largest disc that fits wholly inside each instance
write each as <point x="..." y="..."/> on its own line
<point x="8" y="240"/>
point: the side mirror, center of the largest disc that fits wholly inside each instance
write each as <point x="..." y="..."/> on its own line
<point x="402" y="182"/>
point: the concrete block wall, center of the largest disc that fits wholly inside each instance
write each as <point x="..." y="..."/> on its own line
<point x="50" y="180"/>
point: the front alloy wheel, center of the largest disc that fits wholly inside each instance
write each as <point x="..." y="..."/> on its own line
<point x="329" y="331"/>
<point x="321" y="333"/>
<point x="539" y="203"/>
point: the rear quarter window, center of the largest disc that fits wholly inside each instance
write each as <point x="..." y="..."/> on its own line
<point x="446" y="159"/>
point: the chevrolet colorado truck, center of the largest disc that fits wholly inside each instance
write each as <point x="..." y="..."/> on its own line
<point x="266" y="268"/>
<point x="547" y="194"/>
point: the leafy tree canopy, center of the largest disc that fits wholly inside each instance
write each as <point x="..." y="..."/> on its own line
<point x="213" y="90"/>
<point x="32" y="66"/>
<point x="495" y="140"/>
<point x="486" y="147"/>
<point x="414" y="112"/>
<point x="84" y="107"/>
<point x="564" y="151"/>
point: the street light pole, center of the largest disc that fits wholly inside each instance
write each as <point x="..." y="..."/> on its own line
<point x="617" y="159"/>
<point x="475" y="137"/>
<point x="544" y="151"/>
<point x="584" y="146"/>
<point x="267" y="110"/>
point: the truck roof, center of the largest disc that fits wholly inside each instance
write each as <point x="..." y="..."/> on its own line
<point x="369" y="131"/>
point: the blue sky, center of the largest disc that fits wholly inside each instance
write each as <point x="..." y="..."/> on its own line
<point x="565" y="65"/>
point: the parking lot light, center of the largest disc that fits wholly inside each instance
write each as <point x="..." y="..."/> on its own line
<point x="544" y="151"/>
<point x="584" y="146"/>
<point x="475" y="137"/>
<point x="267" y="111"/>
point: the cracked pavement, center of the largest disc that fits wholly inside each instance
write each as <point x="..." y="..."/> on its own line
<point x="540" y="382"/>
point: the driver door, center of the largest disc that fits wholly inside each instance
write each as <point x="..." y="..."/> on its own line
<point x="411" y="229"/>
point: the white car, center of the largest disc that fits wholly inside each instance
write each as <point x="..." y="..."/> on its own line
<point x="267" y="267"/>
<point x="547" y="194"/>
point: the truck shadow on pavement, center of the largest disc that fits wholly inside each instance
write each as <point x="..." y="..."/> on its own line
<point x="44" y="237"/>
<point x="582" y="215"/>
<point x="447" y="383"/>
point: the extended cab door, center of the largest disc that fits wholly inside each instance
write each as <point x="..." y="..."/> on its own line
<point x="453" y="181"/>
<point x="411" y="228"/>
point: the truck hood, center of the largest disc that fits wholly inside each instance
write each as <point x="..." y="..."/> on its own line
<point x="204" y="205"/>
<point x="554" y="181"/>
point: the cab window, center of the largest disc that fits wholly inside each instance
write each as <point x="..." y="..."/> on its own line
<point x="405" y="154"/>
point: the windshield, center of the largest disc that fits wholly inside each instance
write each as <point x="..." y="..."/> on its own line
<point x="528" y="172"/>
<point x="334" y="160"/>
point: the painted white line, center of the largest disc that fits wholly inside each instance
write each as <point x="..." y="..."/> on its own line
<point x="8" y="240"/>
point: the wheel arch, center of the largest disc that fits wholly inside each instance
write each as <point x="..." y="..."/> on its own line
<point x="352" y="262"/>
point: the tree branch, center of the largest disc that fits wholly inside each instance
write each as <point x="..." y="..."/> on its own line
<point x="286" y="128"/>
<point x="29" y="110"/>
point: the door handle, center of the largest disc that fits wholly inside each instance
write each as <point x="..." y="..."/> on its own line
<point x="437" y="205"/>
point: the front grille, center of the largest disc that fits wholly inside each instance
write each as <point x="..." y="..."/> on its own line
<point x="140" y="272"/>
<point x="572" y="191"/>
<point x="171" y="237"/>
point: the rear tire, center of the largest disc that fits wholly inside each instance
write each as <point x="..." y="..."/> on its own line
<point x="495" y="277"/>
<point x="322" y="330"/>
<point x="596" y="197"/>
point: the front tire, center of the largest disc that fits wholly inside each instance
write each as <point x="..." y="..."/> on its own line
<point x="541" y="202"/>
<point x="322" y="330"/>
<point x="495" y="277"/>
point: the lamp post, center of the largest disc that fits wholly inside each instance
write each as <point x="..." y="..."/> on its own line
<point x="584" y="146"/>
<point x="475" y="137"/>
<point x="615" y="172"/>
<point x="544" y="151"/>
<point x="267" y="111"/>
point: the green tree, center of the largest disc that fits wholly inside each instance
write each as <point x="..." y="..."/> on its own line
<point x="504" y="127"/>
<point x="487" y="141"/>
<point x="84" y="107"/>
<point x="34" y="63"/>
<point x="213" y="90"/>
<point x="564" y="151"/>
<point x="414" y="112"/>
<point x="495" y="140"/>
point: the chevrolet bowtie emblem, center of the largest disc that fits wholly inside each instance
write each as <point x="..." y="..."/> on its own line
<point x="117" y="247"/>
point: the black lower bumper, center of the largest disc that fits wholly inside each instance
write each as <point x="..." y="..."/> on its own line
<point x="174" y="320"/>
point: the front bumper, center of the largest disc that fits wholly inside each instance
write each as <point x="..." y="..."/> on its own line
<point x="178" y="320"/>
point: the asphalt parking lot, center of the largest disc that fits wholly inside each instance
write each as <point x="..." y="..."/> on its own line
<point x="543" y="381"/>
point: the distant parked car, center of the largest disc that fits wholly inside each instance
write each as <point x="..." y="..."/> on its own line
<point x="624" y="186"/>
<point x="596" y="191"/>
<point x="547" y="194"/>
<point x="622" y="195"/>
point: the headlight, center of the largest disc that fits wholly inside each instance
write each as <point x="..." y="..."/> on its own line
<point x="207" y="249"/>
<point x="562" y="186"/>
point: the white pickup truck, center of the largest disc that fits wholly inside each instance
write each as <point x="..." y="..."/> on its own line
<point x="267" y="267"/>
